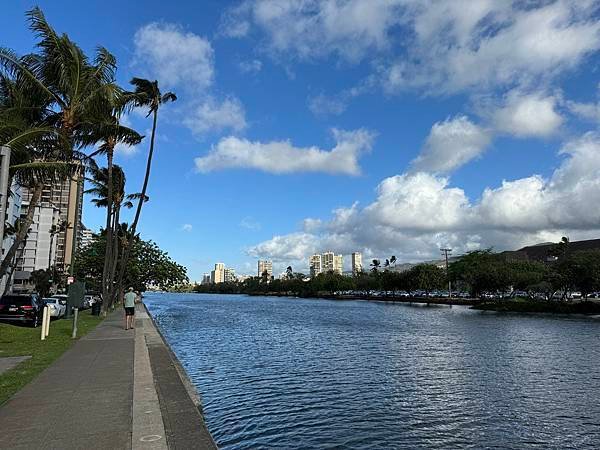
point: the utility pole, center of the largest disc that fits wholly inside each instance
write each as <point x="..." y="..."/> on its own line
<point x="446" y="252"/>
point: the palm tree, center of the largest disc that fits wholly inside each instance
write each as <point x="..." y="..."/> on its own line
<point x="146" y="94"/>
<point x="110" y="132"/>
<point x="65" y="87"/>
<point x="103" y="189"/>
<point x="289" y="273"/>
<point x="375" y="265"/>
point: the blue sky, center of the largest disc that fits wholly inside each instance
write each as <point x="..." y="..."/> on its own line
<point x="388" y="127"/>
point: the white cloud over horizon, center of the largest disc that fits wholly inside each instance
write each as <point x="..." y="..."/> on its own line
<point x="280" y="157"/>
<point x="415" y="214"/>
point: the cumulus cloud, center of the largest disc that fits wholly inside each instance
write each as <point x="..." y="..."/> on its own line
<point x="174" y="56"/>
<point x="451" y="144"/>
<point x="212" y="116"/>
<point x="280" y="157"/>
<point x="187" y="227"/>
<point x="528" y="115"/>
<point x="415" y="214"/>
<point x="486" y="43"/>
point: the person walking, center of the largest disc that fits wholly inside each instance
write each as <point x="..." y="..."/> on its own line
<point x="129" y="304"/>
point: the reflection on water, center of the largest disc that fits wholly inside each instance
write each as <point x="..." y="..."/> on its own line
<point x="291" y="373"/>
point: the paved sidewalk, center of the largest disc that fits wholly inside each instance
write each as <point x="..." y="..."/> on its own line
<point x="82" y="401"/>
<point x="113" y="389"/>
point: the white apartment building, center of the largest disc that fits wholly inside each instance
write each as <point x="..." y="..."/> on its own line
<point x="86" y="237"/>
<point x="338" y="264"/>
<point x="265" y="266"/>
<point x="332" y="262"/>
<point x="218" y="275"/>
<point x="314" y="263"/>
<point x="327" y="261"/>
<point x="229" y="275"/>
<point x="10" y="208"/>
<point x="357" y="266"/>
<point x="40" y="247"/>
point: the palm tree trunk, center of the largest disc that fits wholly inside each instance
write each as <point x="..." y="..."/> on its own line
<point x="106" y="281"/>
<point x="139" y="206"/>
<point x="23" y="230"/>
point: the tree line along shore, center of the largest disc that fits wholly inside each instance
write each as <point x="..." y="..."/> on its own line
<point x="483" y="279"/>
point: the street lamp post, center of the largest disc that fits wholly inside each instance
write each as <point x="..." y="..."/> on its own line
<point x="446" y="252"/>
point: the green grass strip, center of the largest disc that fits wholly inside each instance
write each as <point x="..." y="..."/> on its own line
<point x="23" y="341"/>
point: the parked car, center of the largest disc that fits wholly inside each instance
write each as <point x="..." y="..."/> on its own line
<point x="88" y="301"/>
<point x="56" y="308"/>
<point x="24" y="308"/>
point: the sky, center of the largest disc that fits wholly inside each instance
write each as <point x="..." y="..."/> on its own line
<point x="390" y="127"/>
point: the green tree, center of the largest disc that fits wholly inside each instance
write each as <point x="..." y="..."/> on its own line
<point x="42" y="280"/>
<point x="427" y="277"/>
<point x="66" y="87"/>
<point x="148" y="265"/>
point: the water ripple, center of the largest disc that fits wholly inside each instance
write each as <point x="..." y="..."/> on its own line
<point x="295" y="374"/>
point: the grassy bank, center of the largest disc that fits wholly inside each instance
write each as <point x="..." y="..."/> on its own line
<point x="539" y="306"/>
<point x="22" y="341"/>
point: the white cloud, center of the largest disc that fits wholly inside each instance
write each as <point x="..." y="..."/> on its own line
<point x="528" y="115"/>
<point x="485" y="43"/>
<point x="252" y="66"/>
<point x="451" y="144"/>
<point x="250" y="223"/>
<point x="280" y="157"/>
<point x="586" y="111"/>
<point x="415" y="214"/>
<point x="315" y="28"/>
<point x="211" y="116"/>
<point x="322" y="105"/>
<point x="174" y="57"/>
<point x="187" y="227"/>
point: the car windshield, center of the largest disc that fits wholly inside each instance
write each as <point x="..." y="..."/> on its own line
<point x="15" y="300"/>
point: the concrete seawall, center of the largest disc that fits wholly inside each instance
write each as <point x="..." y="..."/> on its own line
<point x="178" y="399"/>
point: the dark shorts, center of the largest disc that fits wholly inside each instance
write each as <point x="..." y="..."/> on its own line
<point x="129" y="311"/>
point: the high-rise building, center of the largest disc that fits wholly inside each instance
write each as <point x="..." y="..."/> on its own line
<point x="40" y="248"/>
<point x="86" y="237"/>
<point x="206" y="278"/>
<point x="314" y="263"/>
<point x="357" y="266"/>
<point x="67" y="196"/>
<point x="218" y="275"/>
<point x="10" y="209"/>
<point x="229" y="275"/>
<point x="327" y="261"/>
<point x="265" y="266"/>
<point x="338" y="264"/>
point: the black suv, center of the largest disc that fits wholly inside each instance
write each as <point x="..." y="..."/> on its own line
<point x="26" y="308"/>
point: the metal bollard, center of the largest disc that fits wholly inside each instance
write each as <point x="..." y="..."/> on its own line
<point x="47" y="327"/>
<point x="75" y="314"/>
<point x="44" y="316"/>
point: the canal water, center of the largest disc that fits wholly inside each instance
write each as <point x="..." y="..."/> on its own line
<point x="301" y="374"/>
